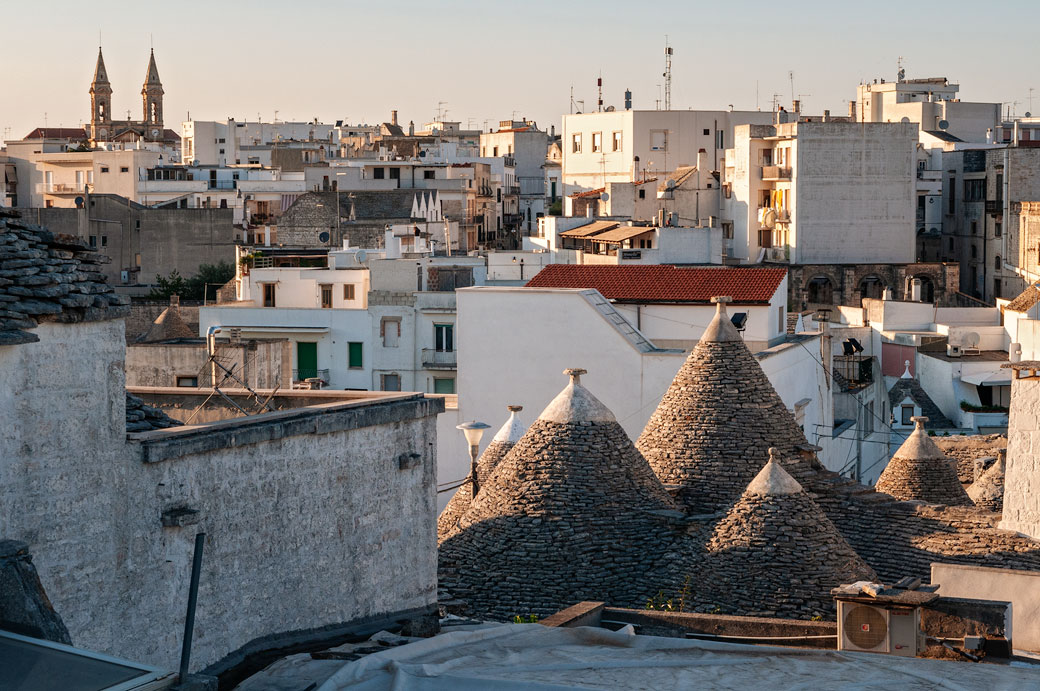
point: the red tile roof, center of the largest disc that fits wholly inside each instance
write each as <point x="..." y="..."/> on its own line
<point x="666" y="283"/>
<point x="76" y="133"/>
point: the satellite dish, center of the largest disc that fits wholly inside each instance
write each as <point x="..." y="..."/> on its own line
<point x="323" y="236"/>
<point x="769" y="219"/>
<point x="905" y="121"/>
<point x="360" y="256"/>
<point x="670" y="184"/>
<point x="1028" y="114"/>
<point x="604" y="197"/>
<point x="79" y="202"/>
<point x="971" y="340"/>
<point x="944" y="125"/>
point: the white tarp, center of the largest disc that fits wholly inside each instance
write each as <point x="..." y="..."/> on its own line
<point x="536" y="658"/>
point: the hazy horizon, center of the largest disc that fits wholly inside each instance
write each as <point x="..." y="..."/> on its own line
<point x="341" y="61"/>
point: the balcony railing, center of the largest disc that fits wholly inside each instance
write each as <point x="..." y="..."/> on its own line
<point x="439" y="359"/>
<point x="222" y="184"/>
<point x="512" y="189"/>
<point x="305" y="374"/>
<point x="775" y="173"/>
<point x="485" y="191"/>
<point x="994" y="206"/>
<point x="60" y="188"/>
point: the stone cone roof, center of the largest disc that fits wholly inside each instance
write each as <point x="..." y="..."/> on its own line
<point x="920" y="471"/>
<point x="988" y="491"/>
<point x="776" y="553"/>
<point x="167" y="326"/>
<point x="573" y="512"/>
<point x="507" y="437"/>
<point x="713" y="428"/>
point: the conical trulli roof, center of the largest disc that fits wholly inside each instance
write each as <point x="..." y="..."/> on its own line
<point x="920" y="471"/>
<point x="711" y="432"/>
<point x="776" y="553"/>
<point x="508" y="435"/>
<point x="988" y="491"/>
<point x="573" y="512"/>
<point x="167" y="326"/>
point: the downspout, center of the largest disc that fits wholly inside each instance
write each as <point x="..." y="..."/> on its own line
<point x="211" y="346"/>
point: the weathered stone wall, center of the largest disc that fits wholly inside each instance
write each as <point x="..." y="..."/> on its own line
<point x="312" y="519"/>
<point x="846" y="280"/>
<point x="1022" y="474"/>
<point x="265" y="364"/>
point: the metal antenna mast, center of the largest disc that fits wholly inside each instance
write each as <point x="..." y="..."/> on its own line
<point x="667" y="74"/>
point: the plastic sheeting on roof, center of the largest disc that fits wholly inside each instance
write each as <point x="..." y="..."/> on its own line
<point x="536" y="658"/>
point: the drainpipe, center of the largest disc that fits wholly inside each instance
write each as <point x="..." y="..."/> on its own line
<point x="211" y="346"/>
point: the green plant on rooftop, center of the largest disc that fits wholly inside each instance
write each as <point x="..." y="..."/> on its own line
<point x="528" y="619"/>
<point x="203" y="285"/>
<point x="971" y="408"/>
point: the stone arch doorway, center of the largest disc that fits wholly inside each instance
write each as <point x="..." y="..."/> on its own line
<point x="923" y="291"/>
<point x="820" y="290"/>
<point x="871" y="287"/>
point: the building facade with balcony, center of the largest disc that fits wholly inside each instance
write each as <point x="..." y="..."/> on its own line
<point x="355" y="319"/>
<point x="527" y="145"/>
<point x="822" y="192"/>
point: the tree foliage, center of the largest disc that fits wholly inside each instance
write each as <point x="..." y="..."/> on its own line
<point x="201" y="286"/>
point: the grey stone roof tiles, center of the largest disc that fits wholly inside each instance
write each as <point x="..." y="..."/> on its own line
<point x="713" y="428"/>
<point x="141" y="417"/>
<point x="776" y="553"/>
<point x="904" y="388"/>
<point x="988" y="491"/>
<point x="920" y="471"/>
<point x="572" y="512"/>
<point x="48" y="277"/>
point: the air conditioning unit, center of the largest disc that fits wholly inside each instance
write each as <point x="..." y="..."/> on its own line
<point x="873" y="629"/>
<point x="953" y="350"/>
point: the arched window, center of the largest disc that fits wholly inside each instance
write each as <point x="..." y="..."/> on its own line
<point x="996" y="262"/>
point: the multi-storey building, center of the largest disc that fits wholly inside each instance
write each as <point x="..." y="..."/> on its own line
<point x="527" y="146"/>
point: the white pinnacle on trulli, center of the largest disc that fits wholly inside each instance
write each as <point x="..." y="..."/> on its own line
<point x="576" y="404"/>
<point x="773" y="479"/>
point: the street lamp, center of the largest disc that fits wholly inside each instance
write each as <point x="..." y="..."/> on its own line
<point x="474" y="431"/>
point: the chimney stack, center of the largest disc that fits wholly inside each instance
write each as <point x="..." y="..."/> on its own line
<point x="852" y="110"/>
<point x="393" y="117"/>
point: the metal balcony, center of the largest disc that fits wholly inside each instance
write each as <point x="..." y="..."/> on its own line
<point x="305" y="374"/>
<point x="775" y="173"/>
<point x="60" y="188"/>
<point x="439" y="359"/>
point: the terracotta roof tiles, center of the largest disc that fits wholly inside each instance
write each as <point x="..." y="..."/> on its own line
<point x="666" y="283"/>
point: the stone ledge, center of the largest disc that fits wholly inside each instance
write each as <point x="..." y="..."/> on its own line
<point x="581" y="614"/>
<point x="167" y="444"/>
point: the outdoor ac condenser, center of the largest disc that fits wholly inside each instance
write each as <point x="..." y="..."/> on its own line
<point x="873" y="629"/>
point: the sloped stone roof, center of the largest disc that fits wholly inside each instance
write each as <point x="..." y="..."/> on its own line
<point x="965" y="449"/>
<point x="776" y="553"/>
<point x="1024" y="300"/>
<point x="141" y="417"/>
<point x="167" y="326"/>
<point x="573" y="512"/>
<point x="911" y="388"/>
<point x="920" y="471"/>
<point x="504" y="440"/>
<point x="48" y="277"/>
<point x="713" y="428"/>
<point x="988" y="491"/>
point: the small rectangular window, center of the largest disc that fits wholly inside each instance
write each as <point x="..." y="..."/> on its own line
<point x="93" y="240"/>
<point x="576" y="143"/>
<point x="906" y="412"/>
<point x="642" y="194"/>
<point x="188" y="381"/>
<point x="378" y="173"/>
<point x="390" y="330"/>
<point x="444" y="337"/>
<point x="706" y="131"/>
<point x="104" y="169"/>
<point x="326" y="296"/>
<point x="617" y="141"/>
<point x="124" y="169"/>
<point x="597" y="142"/>
<point x="395" y="173"/>
<point x="269" y="294"/>
<point x="355" y="351"/>
<point x="428" y="175"/>
<point x="390" y="382"/>
<point x="104" y="241"/>
<point x="444" y="385"/>
<point x="348" y="291"/>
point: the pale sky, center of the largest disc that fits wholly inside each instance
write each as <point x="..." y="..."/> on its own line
<point x="492" y="60"/>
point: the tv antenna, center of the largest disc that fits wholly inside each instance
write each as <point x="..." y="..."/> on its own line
<point x="599" y="90"/>
<point x="574" y="103"/>
<point x="901" y="74"/>
<point x="790" y="76"/>
<point x="442" y="112"/>
<point x="667" y="74"/>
